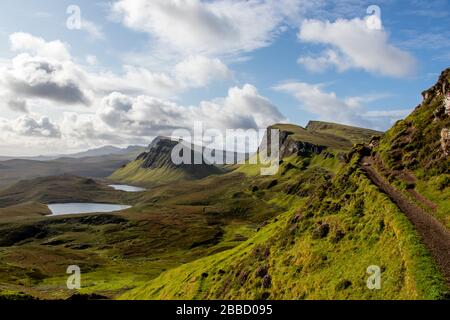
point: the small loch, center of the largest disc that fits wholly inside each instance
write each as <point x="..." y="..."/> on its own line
<point x="126" y="188"/>
<point x="58" y="209"/>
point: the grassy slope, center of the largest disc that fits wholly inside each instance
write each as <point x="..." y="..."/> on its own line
<point x="219" y="231"/>
<point x="135" y="174"/>
<point x="354" y="134"/>
<point x="168" y="226"/>
<point x="59" y="189"/>
<point x="332" y="135"/>
<point x="302" y="266"/>
<point x="414" y="144"/>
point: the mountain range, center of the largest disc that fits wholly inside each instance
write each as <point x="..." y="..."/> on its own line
<point x="96" y="152"/>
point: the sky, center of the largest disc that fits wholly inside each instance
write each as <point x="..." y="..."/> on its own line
<point x="76" y="75"/>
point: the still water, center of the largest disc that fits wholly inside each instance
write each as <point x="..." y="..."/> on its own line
<point x="127" y="188"/>
<point x="78" y="208"/>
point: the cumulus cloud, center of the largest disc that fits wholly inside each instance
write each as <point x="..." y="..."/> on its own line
<point x="352" y="44"/>
<point x="327" y="106"/>
<point x="39" y="77"/>
<point x="25" y="42"/>
<point x="28" y="126"/>
<point x="123" y="119"/>
<point x="198" y="71"/>
<point x="46" y="70"/>
<point x="124" y="116"/>
<point x="193" y="72"/>
<point x="208" y="27"/>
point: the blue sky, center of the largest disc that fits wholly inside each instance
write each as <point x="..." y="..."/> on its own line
<point x="137" y="69"/>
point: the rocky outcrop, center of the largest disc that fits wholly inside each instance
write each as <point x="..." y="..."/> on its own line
<point x="440" y="90"/>
<point x="374" y="143"/>
<point x="290" y="146"/>
<point x="445" y="141"/>
<point x="443" y="109"/>
<point x="160" y="156"/>
<point x="442" y="86"/>
<point x="447" y="104"/>
<point x="421" y="141"/>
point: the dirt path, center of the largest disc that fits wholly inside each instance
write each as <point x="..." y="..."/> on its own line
<point x="435" y="236"/>
<point x="422" y="199"/>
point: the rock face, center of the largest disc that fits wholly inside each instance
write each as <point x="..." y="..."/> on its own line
<point x="442" y="87"/>
<point x="317" y="137"/>
<point x="440" y="90"/>
<point x="290" y="146"/>
<point x="445" y="141"/>
<point x="421" y="141"/>
<point x="447" y="104"/>
<point x="442" y="112"/>
<point x="159" y="156"/>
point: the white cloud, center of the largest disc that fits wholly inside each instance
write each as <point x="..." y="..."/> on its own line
<point x="25" y="42"/>
<point x="94" y="30"/>
<point x="28" y="126"/>
<point x="208" y="27"/>
<point x="327" y="106"/>
<point x="198" y="71"/>
<point x="45" y="70"/>
<point x="325" y="60"/>
<point x="354" y="45"/>
<point x="193" y="72"/>
<point x="45" y="78"/>
<point x="136" y="80"/>
<point x="122" y="117"/>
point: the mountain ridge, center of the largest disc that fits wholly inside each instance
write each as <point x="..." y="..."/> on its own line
<point x="95" y="152"/>
<point x="156" y="166"/>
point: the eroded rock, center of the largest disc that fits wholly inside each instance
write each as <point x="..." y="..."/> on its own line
<point x="445" y="141"/>
<point x="447" y="104"/>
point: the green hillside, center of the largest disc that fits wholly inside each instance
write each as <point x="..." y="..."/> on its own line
<point x="331" y="230"/>
<point x="345" y="199"/>
<point x="354" y="134"/>
<point x="412" y="156"/>
<point x="318" y="247"/>
<point x="134" y="173"/>
<point x="59" y="189"/>
<point x="331" y="135"/>
<point x="156" y="167"/>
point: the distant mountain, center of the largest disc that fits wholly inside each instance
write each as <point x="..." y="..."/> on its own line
<point x="156" y="166"/>
<point x="101" y="151"/>
<point x="101" y="166"/>
<point x="106" y="150"/>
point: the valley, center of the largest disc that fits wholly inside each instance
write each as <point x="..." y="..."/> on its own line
<point x="344" y="199"/>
